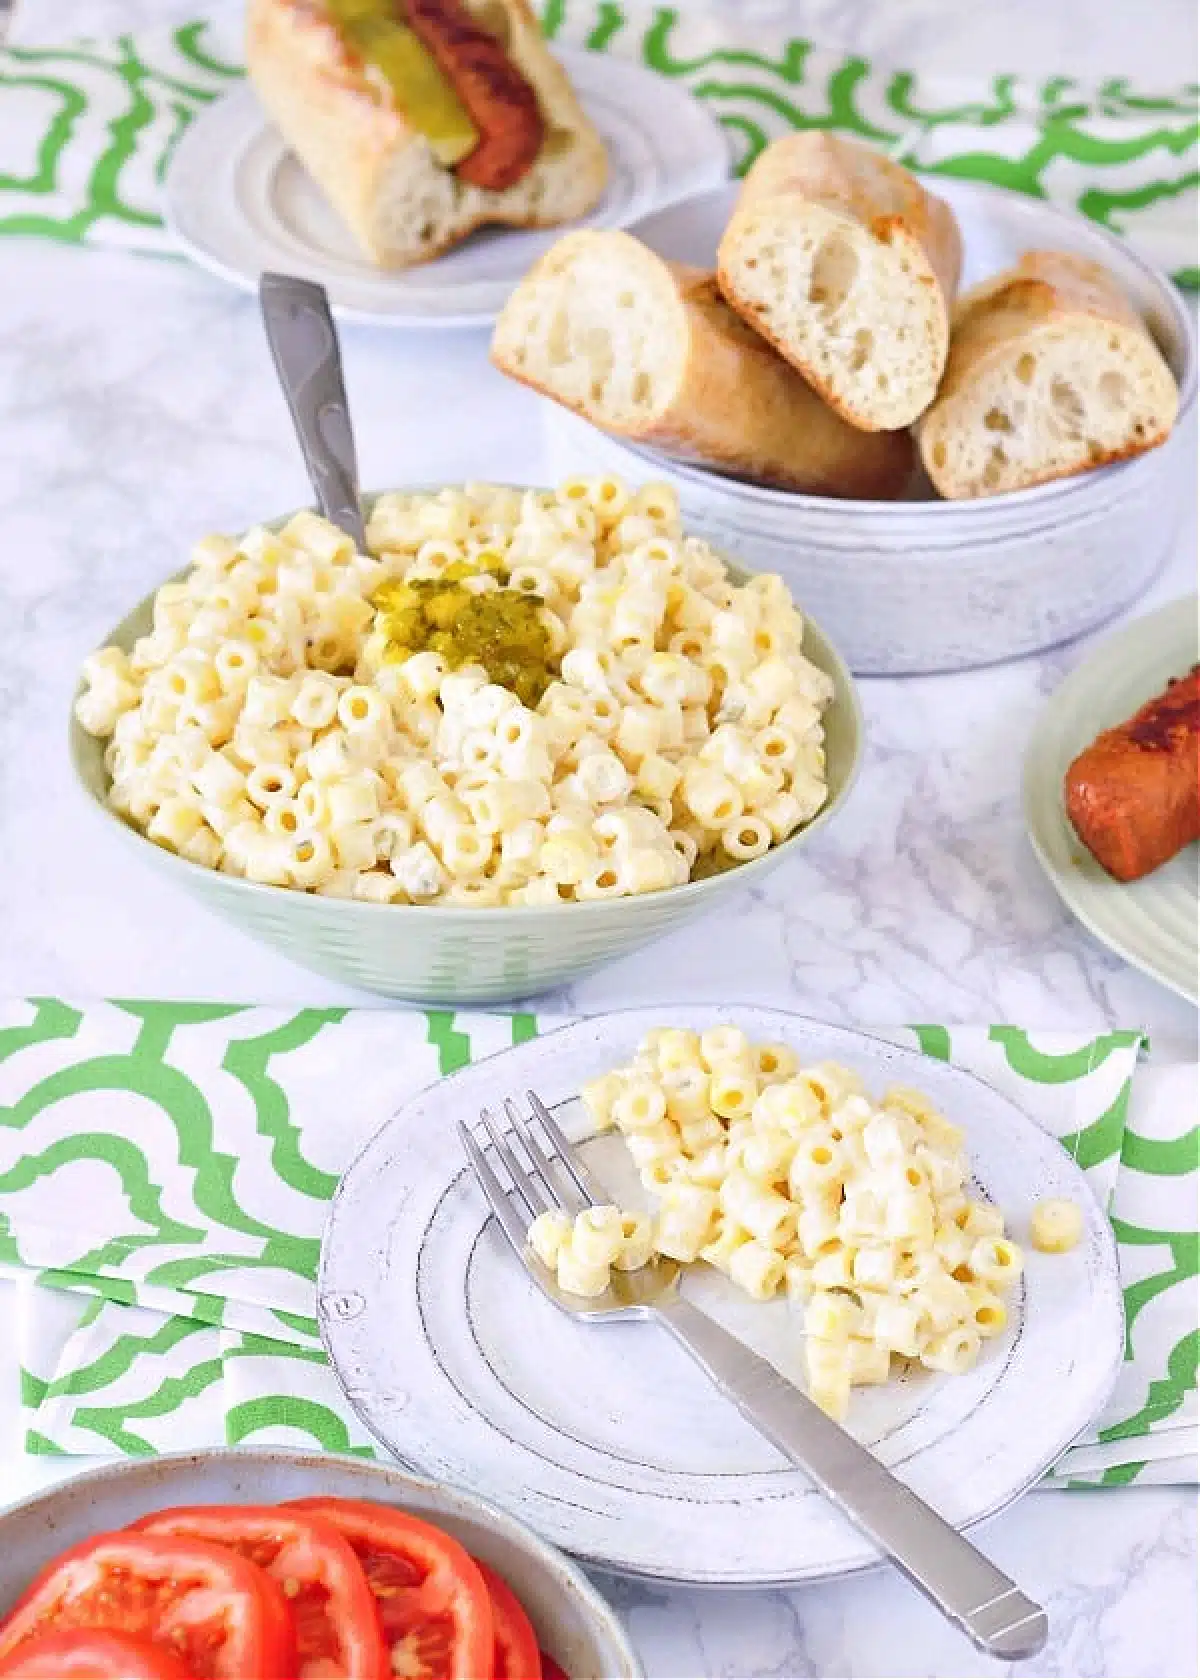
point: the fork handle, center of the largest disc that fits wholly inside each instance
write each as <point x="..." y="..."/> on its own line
<point x="968" y="1589"/>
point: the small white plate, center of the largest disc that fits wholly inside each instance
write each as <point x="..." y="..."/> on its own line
<point x="239" y="202"/>
<point x="1152" y="923"/>
<point x="607" y="1439"/>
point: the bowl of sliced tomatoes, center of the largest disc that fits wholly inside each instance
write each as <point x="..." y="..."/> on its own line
<point x="274" y="1565"/>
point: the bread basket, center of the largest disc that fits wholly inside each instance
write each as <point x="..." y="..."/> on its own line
<point x="921" y="585"/>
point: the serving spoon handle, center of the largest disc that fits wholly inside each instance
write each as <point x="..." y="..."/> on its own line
<point x="308" y="360"/>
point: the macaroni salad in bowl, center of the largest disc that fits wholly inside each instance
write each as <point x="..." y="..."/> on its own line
<point x="517" y="698"/>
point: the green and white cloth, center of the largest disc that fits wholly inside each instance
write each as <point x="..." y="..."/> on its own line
<point x="165" y="1171"/>
<point x="87" y="128"/>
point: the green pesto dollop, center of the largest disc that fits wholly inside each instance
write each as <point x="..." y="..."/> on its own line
<point x="500" y="629"/>
<point x="422" y="93"/>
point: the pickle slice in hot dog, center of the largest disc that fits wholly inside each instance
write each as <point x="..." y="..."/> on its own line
<point x="421" y="91"/>
<point x="500" y="102"/>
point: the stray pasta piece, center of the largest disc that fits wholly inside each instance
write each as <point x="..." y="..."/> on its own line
<point x="1056" y="1225"/>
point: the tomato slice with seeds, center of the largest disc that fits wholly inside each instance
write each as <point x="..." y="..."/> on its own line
<point x="217" y="1614"/>
<point x="91" y="1654"/>
<point x="433" y="1604"/>
<point x="331" y="1605"/>
<point x="517" y="1656"/>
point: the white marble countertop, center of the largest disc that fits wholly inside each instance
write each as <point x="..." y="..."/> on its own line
<point x="137" y="410"/>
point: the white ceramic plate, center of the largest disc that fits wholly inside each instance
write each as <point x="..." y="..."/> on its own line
<point x="1152" y="923"/>
<point x="239" y="202"/>
<point x="607" y="1439"/>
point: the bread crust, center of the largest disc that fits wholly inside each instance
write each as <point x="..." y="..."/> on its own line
<point x="733" y="402"/>
<point x="1051" y="306"/>
<point x="344" y="124"/>
<point x="880" y="196"/>
<point x="844" y="190"/>
<point x="742" y="405"/>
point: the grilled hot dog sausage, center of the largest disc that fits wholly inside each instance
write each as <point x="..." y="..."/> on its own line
<point x="498" y="99"/>
<point x="1133" y="796"/>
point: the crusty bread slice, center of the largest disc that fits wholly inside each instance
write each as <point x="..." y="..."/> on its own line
<point x="650" y="350"/>
<point x="381" y="177"/>
<point x="1051" y="371"/>
<point x="844" y="261"/>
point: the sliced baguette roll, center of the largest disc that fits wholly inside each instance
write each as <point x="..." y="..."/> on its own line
<point x="381" y="176"/>
<point x="849" y="267"/>
<point x="1051" y="371"/>
<point x="649" y="349"/>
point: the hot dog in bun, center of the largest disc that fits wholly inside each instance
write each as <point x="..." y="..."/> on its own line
<point x="421" y="120"/>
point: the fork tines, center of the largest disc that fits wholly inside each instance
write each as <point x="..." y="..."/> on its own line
<point x="591" y="1190"/>
<point x="542" y="1176"/>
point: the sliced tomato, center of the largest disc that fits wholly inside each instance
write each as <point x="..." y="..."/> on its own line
<point x="91" y="1654"/>
<point x="517" y="1656"/>
<point x="214" y="1611"/>
<point x="433" y="1603"/>
<point x="551" y="1670"/>
<point x="332" y="1607"/>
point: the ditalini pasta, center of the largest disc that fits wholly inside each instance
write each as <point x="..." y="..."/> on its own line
<point x="792" y="1180"/>
<point x="517" y="698"/>
<point x="1056" y="1225"/>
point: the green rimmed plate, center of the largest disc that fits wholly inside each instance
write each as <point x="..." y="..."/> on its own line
<point x="1152" y="923"/>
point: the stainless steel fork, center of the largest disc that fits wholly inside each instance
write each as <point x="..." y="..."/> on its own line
<point x="525" y="1166"/>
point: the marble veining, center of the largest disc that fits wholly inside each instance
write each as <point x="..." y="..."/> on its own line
<point x="137" y="410"/>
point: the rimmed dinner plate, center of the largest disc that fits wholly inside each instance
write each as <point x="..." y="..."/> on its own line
<point x="1152" y="923"/>
<point x="238" y="201"/>
<point x="607" y="1439"/>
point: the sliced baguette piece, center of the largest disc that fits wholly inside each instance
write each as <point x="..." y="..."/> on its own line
<point x="344" y="123"/>
<point x="649" y="350"/>
<point x="849" y="267"/>
<point x="1051" y="371"/>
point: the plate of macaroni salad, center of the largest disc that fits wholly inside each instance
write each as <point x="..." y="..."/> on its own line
<point x="518" y="698"/>
<point x="899" y="1240"/>
<point x="792" y="1179"/>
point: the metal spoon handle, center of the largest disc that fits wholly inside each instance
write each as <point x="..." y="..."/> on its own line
<point x="308" y="360"/>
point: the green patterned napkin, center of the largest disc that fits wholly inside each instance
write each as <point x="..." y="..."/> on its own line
<point x="165" y="1170"/>
<point x="86" y="129"/>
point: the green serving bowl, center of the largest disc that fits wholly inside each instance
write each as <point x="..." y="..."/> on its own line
<point x="452" y="954"/>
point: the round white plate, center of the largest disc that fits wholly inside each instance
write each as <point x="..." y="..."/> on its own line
<point x="1152" y="923"/>
<point x="607" y="1439"/>
<point x="239" y="202"/>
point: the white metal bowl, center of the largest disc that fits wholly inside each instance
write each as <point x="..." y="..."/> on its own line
<point x="572" y="1622"/>
<point x="924" y="585"/>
